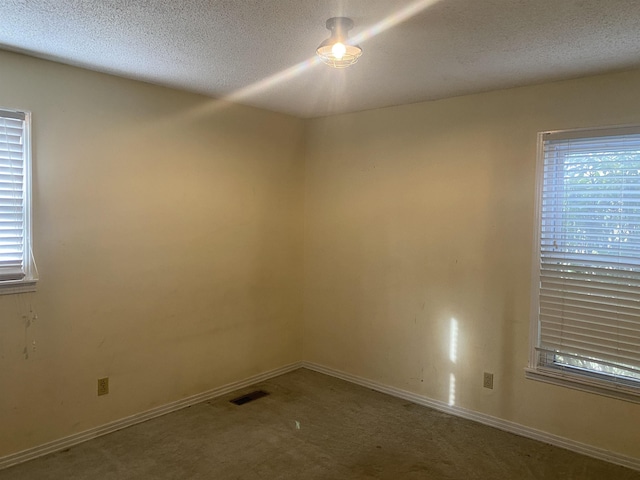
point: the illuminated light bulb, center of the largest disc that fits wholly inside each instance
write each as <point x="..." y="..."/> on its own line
<point x="338" y="50"/>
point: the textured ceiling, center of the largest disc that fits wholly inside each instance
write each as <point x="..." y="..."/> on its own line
<point x="413" y="50"/>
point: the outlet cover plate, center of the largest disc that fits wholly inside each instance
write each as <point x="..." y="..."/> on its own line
<point x="103" y="386"/>
<point x="488" y="380"/>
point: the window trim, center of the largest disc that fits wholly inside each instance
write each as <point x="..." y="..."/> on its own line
<point x="566" y="376"/>
<point x="29" y="282"/>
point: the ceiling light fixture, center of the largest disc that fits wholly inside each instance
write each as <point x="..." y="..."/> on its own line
<point x="336" y="51"/>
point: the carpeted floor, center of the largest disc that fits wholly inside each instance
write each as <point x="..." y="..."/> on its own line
<point x="312" y="426"/>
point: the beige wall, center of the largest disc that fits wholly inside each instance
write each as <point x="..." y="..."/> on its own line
<point x="168" y="233"/>
<point x="168" y="236"/>
<point x="420" y="214"/>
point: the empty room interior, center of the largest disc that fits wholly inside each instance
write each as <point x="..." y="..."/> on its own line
<point x="440" y="220"/>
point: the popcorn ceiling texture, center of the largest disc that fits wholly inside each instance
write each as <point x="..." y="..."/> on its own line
<point x="451" y="47"/>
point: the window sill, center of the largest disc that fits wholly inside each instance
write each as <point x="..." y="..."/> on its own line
<point x="578" y="382"/>
<point x="22" y="286"/>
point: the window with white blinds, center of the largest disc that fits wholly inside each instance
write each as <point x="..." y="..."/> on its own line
<point x="587" y="291"/>
<point x="17" y="269"/>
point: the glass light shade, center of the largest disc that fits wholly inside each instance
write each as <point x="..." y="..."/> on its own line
<point x="328" y="56"/>
<point x="336" y="51"/>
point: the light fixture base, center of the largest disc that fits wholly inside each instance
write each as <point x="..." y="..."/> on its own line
<point x="343" y="24"/>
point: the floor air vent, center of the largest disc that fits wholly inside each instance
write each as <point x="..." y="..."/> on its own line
<point x="249" y="397"/>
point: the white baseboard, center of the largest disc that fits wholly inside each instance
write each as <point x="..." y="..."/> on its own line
<point x="512" y="427"/>
<point x="77" y="438"/>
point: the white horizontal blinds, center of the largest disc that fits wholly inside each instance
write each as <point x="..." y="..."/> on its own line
<point x="12" y="198"/>
<point x="590" y="254"/>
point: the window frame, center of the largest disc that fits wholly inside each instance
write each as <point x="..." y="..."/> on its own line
<point x="567" y="376"/>
<point x="29" y="282"/>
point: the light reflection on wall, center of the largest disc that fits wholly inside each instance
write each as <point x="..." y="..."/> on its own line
<point x="453" y="341"/>
<point x="452" y="389"/>
<point x="453" y="356"/>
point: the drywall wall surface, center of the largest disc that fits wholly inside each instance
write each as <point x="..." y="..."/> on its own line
<point x="168" y="238"/>
<point x="418" y="244"/>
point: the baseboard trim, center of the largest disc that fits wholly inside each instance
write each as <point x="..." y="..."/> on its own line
<point x="75" y="439"/>
<point x="512" y="427"/>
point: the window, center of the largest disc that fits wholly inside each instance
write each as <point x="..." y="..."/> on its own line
<point x="17" y="268"/>
<point x="586" y="288"/>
